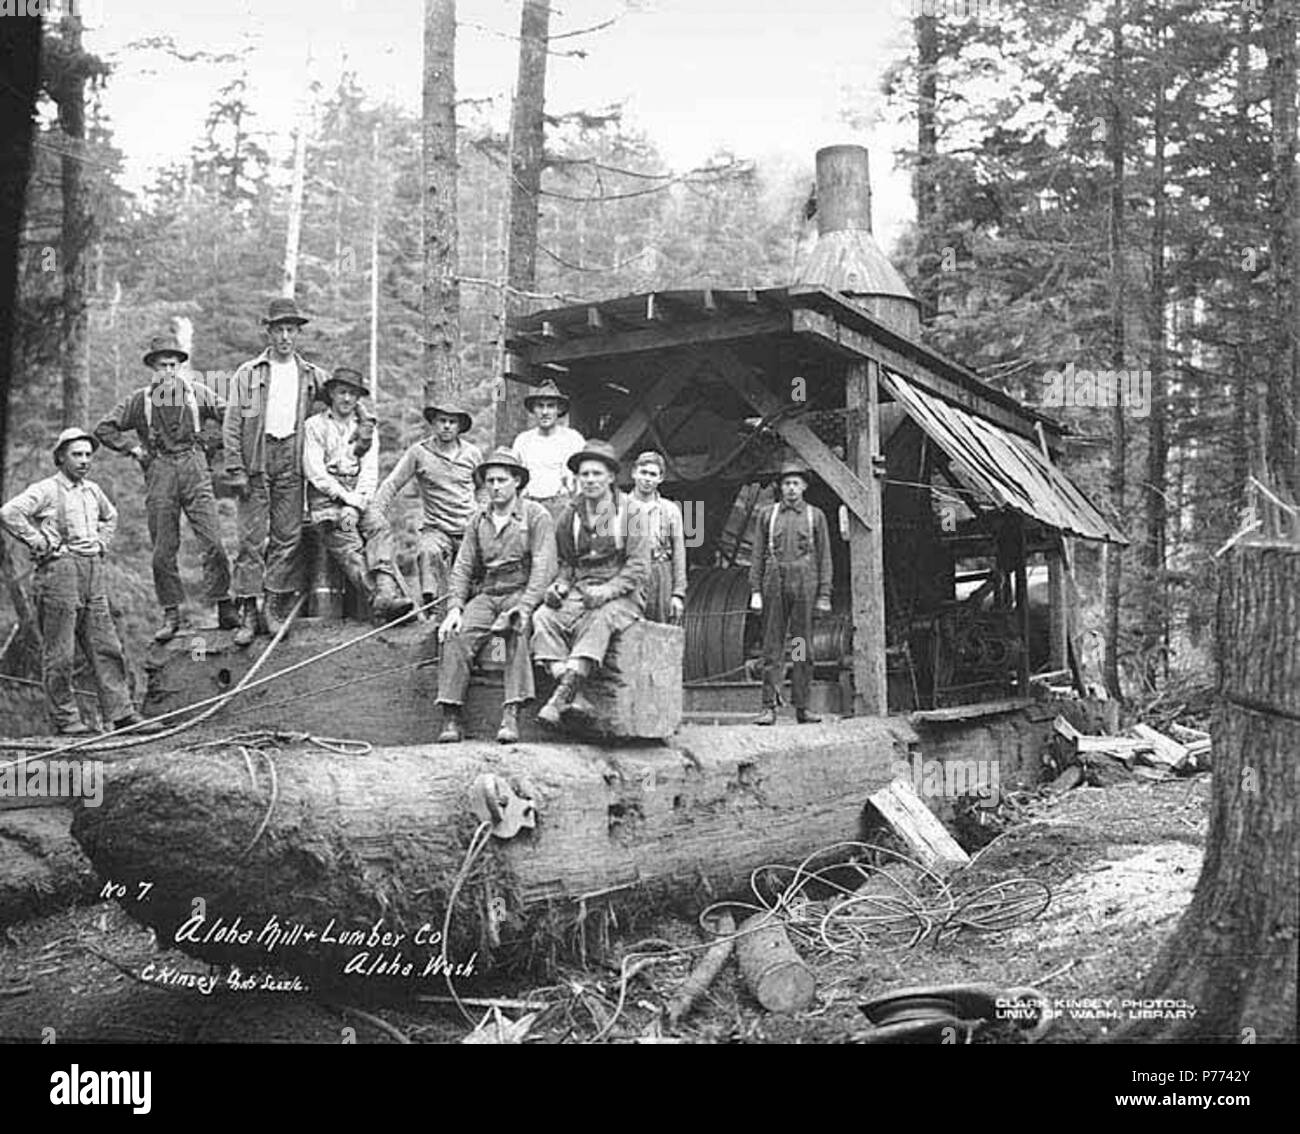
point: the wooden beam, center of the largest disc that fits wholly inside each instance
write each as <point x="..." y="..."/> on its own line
<point x="866" y="545"/>
<point x="699" y="333"/>
<point x="805" y="442"/>
<point x="1022" y="607"/>
<point x="652" y="404"/>
<point x="854" y="344"/>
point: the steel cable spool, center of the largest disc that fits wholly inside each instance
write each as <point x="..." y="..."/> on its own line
<point x="717" y="604"/>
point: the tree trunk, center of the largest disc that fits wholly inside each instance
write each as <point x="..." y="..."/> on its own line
<point x="441" y="256"/>
<point x="360" y="838"/>
<point x="924" y="189"/>
<point x="527" y="155"/>
<point x="289" y="277"/>
<point x="1234" y="954"/>
<point x="1119" y="440"/>
<point x="1284" y="375"/>
<point x="75" y="240"/>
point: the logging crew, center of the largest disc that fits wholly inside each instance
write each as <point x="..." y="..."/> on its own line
<point x="665" y="599"/>
<point x="507" y="559"/>
<point x="604" y="563"/>
<point x="789" y="576"/>
<point x="177" y="424"/>
<point x="67" y="523"/>
<point x="340" y="460"/>
<point x="443" y="466"/>
<point x="547" y="447"/>
<point x="271" y="399"/>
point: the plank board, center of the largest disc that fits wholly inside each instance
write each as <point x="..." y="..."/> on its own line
<point x="907" y="814"/>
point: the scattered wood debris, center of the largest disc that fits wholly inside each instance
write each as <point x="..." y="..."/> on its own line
<point x="1146" y="754"/>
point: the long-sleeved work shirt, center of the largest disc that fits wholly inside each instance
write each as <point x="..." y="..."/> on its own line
<point x="331" y="465"/>
<point x="446" y="484"/>
<point x="603" y="548"/>
<point x="788" y="532"/>
<point x="244" y="424"/>
<point x="518" y="555"/>
<point x="662" y="520"/>
<point x="171" y="416"/>
<point x="55" y="516"/>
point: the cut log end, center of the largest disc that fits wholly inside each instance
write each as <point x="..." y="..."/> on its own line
<point x="773" y="971"/>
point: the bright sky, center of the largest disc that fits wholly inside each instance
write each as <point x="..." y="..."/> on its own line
<point x="765" y="79"/>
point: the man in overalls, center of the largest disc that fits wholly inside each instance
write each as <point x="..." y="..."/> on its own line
<point x="67" y="523"/>
<point x="508" y="559"/>
<point x="665" y="599"/>
<point x="604" y="563"/>
<point x="168" y="418"/>
<point x="340" y="460"/>
<point x="789" y="576"/>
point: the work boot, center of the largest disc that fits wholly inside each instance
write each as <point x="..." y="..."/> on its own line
<point x="767" y="716"/>
<point x="170" y="626"/>
<point x="803" y="716"/>
<point x="247" y="622"/>
<point x="389" y="603"/>
<point x="451" y="732"/>
<point x="227" y="614"/>
<point x="134" y="718"/>
<point x="75" y="728"/>
<point x="508" y="733"/>
<point x="275" y="609"/>
<point x="561" y="699"/>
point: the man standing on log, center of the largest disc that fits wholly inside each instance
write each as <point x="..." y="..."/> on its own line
<point x="168" y="418"/>
<point x="547" y="447"/>
<point x="508" y="558"/>
<point x="665" y="599"/>
<point x="67" y="523"/>
<point x="340" y="459"/>
<point x="789" y="576"/>
<point x="443" y="465"/>
<point x="271" y="399"/>
<point x="604" y="565"/>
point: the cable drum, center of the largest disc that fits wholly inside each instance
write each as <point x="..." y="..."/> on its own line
<point x="717" y="603"/>
<point x="832" y="638"/>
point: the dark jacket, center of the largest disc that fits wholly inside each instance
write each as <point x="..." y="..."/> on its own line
<point x="244" y="427"/>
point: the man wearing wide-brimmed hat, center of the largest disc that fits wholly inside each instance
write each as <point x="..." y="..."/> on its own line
<point x="604" y="564"/>
<point x="67" y="523"/>
<point x="443" y="466"/>
<point x="340" y="460"/>
<point x="547" y="447"/>
<point x="507" y="559"/>
<point x="177" y="423"/>
<point x="271" y="398"/>
<point x="789" y="576"/>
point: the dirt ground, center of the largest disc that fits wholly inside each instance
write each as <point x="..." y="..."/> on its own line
<point x="1121" y="863"/>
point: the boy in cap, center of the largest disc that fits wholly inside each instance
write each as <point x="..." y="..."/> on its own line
<point x="661" y="521"/>
<point x="604" y="562"/>
<point x="789" y="576"/>
<point x="443" y="466"/>
<point x="340" y="459"/>
<point x="271" y="399"/>
<point x="67" y="523"/>
<point x="547" y="447"/>
<point x="176" y="422"/>
<point x="507" y="558"/>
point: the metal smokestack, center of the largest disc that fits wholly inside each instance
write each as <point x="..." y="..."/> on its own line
<point x="846" y="257"/>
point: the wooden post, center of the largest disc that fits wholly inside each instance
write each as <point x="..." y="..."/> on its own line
<point x="1022" y="608"/>
<point x="866" y="543"/>
<point x="1059" y="608"/>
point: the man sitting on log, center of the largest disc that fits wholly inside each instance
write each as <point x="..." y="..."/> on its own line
<point x="665" y="599"/>
<point x="789" y="575"/>
<point x="443" y="466"/>
<point x="507" y="558"/>
<point x="340" y="461"/>
<point x="604" y="565"/>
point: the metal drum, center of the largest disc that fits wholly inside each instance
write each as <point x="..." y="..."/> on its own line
<point x="717" y="603"/>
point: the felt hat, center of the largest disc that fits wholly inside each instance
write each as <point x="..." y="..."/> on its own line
<point x="430" y="412"/>
<point x="547" y="389"/>
<point x="502" y="457"/>
<point x="346" y="376"/>
<point x="284" y="311"/>
<point x="71" y="434"/>
<point x="595" y="451"/>
<point x="165" y="344"/>
<point x="795" y="468"/>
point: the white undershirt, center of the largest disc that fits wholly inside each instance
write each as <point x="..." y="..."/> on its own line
<point x="282" y="399"/>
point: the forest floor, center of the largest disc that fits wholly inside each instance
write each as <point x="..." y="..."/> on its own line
<point x="1121" y="863"/>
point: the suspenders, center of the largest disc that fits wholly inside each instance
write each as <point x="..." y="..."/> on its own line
<point x="771" y="526"/>
<point x="620" y="521"/>
<point x="191" y="403"/>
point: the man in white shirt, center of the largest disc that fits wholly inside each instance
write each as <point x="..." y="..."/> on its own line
<point x="546" y="448"/>
<point x="271" y="397"/>
<point x="340" y="459"/>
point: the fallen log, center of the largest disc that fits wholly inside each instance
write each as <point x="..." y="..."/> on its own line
<point x="773" y="971"/>
<point x="339" y="867"/>
<point x="705" y="973"/>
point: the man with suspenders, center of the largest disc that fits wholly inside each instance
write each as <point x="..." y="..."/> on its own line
<point x="789" y="575"/>
<point x="67" y="523"/>
<point x="167" y="418"/>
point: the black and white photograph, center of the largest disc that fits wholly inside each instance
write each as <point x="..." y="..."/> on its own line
<point x="693" y="522"/>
